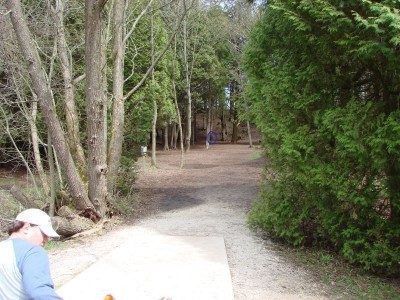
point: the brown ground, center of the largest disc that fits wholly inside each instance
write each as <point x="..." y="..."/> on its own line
<point x="210" y="196"/>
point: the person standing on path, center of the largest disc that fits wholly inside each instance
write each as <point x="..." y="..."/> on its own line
<point x="24" y="264"/>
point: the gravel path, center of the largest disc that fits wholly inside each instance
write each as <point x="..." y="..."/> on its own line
<point x="210" y="196"/>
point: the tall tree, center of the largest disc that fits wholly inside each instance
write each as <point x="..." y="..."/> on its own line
<point x="42" y="90"/>
<point x="96" y="103"/>
<point x="154" y="97"/>
<point x="241" y="15"/>
<point x="186" y="63"/>
<point x="121" y="35"/>
<point x="71" y="114"/>
<point x="326" y="98"/>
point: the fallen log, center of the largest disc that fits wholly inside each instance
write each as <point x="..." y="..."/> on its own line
<point x="98" y="227"/>
<point x="69" y="223"/>
<point x="66" y="212"/>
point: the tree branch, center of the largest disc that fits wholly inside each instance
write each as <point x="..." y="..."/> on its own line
<point x="134" y="89"/>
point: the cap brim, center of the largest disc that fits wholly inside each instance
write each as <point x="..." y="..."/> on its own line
<point x="49" y="231"/>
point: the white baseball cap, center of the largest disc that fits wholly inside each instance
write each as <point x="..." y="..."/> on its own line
<point x="38" y="217"/>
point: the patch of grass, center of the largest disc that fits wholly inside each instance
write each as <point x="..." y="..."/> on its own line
<point x="55" y="244"/>
<point x="343" y="281"/>
<point x="255" y="155"/>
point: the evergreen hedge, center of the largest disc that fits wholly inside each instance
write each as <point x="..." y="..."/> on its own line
<point x="324" y="85"/>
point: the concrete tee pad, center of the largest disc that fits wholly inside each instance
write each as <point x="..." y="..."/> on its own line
<point x="150" y="266"/>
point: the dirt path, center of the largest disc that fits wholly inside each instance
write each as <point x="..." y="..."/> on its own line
<point x="210" y="196"/>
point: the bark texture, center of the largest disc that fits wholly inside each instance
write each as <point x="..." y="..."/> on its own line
<point x="118" y="113"/>
<point x="188" y="87"/>
<point x="71" y="115"/>
<point x="96" y="105"/>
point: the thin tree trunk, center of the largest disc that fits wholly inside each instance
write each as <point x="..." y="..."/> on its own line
<point x="154" y="132"/>
<point x="234" y="112"/>
<point x="249" y="133"/>
<point x="30" y="116"/>
<point x="96" y="105"/>
<point x="35" y="144"/>
<point x="118" y="113"/>
<point x="71" y="115"/>
<point x="188" y="89"/>
<point x="173" y="136"/>
<point x="41" y="89"/>
<point x="159" y="56"/>
<point x="166" y="146"/>
<point x="194" y="127"/>
<point x="208" y="128"/>
<point x="223" y="125"/>
<point x="154" y="122"/>
<point x="179" y="123"/>
<point x="178" y="114"/>
<point x="52" y="176"/>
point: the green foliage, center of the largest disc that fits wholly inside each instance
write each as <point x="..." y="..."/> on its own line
<point x="138" y="123"/>
<point x="125" y="201"/>
<point x="324" y="90"/>
<point x="139" y="108"/>
<point x="208" y="56"/>
<point x="127" y="175"/>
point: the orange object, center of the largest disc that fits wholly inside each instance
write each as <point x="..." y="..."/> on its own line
<point x="109" y="297"/>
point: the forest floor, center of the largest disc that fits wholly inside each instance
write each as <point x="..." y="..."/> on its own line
<point x="210" y="196"/>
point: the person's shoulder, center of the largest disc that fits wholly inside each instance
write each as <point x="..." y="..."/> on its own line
<point x="22" y="246"/>
<point x="22" y="243"/>
<point x="6" y="243"/>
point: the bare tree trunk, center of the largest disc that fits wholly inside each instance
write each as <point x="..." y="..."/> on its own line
<point x="188" y="89"/>
<point x="194" y="127"/>
<point x="71" y="115"/>
<point x="52" y="177"/>
<point x="173" y="136"/>
<point x="154" y="122"/>
<point x="118" y="113"/>
<point x="249" y="133"/>
<point x="154" y="133"/>
<point x="166" y="146"/>
<point x="208" y="128"/>
<point x="96" y="104"/>
<point x="235" y="135"/>
<point x="43" y="92"/>
<point x="179" y="123"/>
<point x="35" y="144"/>
<point x="234" y="112"/>
<point x="178" y="114"/>
<point x="223" y="125"/>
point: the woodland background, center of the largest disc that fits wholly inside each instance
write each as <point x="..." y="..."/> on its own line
<point x="83" y="85"/>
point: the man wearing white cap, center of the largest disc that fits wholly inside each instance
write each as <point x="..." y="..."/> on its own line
<point x="24" y="264"/>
